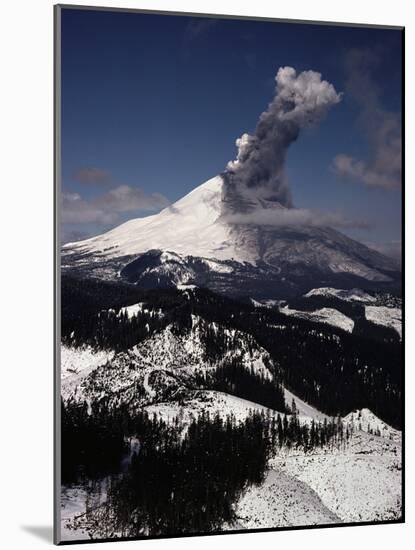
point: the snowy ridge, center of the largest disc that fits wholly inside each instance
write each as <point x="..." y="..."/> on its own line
<point x="353" y="295"/>
<point x="390" y="317"/>
<point x="190" y="227"/>
<point x="214" y="402"/>
<point x="361" y="482"/>
<point x="325" y="315"/>
<point x="164" y="366"/>
<point x="282" y="501"/>
<point x="76" y="360"/>
<point x="358" y="482"/>
<point x="364" y="420"/>
<point x="77" y="364"/>
<point x="302" y="408"/>
<point x="266" y="303"/>
<point x="205" y="401"/>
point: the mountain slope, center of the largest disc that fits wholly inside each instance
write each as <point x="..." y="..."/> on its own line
<point x="361" y="482"/>
<point x="191" y="242"/>
<point x="353" y="295"/>
<point x="191" y="226"/>
<point x="169" y="365"/>
<point x="325" y="371"/>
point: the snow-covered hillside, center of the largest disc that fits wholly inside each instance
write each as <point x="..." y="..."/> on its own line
<point x="77" y="364"/>
<point x="353" y="295"/>
<point x="282" y="501"/>
<point x="325" y="315"/>
<point x="364" y="420"/>
<point x="163" y="366"/>
<point x="390" y="317"/>
<point x="302" y="408"/>
<point x="204" y="401"/>
<point x="191" y="226"/>
<point x="361" y="482"/>
<point x="356" y="482"/>
<point x="76" y="360"/>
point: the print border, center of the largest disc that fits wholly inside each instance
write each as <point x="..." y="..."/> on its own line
<point x="57" y="269"/>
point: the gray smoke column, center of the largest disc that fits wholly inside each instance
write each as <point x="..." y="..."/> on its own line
<point x="257" y="175"/>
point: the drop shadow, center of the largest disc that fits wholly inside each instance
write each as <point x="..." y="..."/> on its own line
<point x="42" y="532"/>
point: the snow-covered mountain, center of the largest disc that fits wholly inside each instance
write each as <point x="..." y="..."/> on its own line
<point x="190" y="351"/>
<point x="191" y="226"/>
<point x="192" y="242"/>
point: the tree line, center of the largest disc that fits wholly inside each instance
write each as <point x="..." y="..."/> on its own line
<point x="182" y="480"/>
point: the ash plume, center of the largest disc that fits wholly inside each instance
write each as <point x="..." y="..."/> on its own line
<point x="257" y="175"/>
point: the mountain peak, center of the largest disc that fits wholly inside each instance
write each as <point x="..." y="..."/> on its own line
<point x="195" y="227"/>
<point x="190" y="226"/>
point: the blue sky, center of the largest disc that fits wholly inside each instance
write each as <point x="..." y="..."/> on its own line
<point x="152" y="105"/>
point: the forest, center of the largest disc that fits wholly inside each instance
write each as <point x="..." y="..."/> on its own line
<point x="232" y="378"/>
<point x="332" y="370"/>
<point x="180" y="481"/>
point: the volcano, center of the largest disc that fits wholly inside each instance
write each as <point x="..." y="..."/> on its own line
<point x="192" y="242"/>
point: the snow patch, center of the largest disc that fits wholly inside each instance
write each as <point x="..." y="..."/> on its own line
<point x="366" y="421"/>
<point x="354" y="295"/>
<point x="186" y="287"/>
<point x="132" y="310"/>
<point x="360" y="482"/>
<point x="325" y="315"/>
<point x="282" y="501"/>
<point x="390" y="317"/>
<point x="216" y="266"/>
<point x="135" y="309"/>
<point x="303" y="408"/>
<point x="205" y="401"/>
<point x="76" y="360"/>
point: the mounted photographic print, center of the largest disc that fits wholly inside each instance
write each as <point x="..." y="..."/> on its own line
<point x="229" y="288"/>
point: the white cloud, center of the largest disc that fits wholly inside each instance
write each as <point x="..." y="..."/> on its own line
<point x="292" y="217"/>
<point x="106" y="208"/>
<point x="393" y="249"/>
<point x="76" y="210"/>
<point x="126" y="199"/>
<point x="383" y="129"/>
